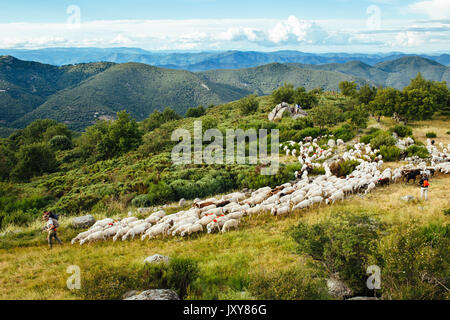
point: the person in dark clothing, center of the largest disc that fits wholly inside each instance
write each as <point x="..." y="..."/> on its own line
<point x="50" y="227"/>
<point x="424" y="184"/>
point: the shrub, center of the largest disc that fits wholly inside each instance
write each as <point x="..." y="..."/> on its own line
<point x="283" y="94"/>
<point x="160" y="193"/>
<point x="382" y="139"/>
<point x="302" y="123"/>
<point x="345" y="132"/>
<point x="110" y="284"/>
<point x="60" y="143"/>
<point x="420" y="151"/>
<point x="291" y="284"/>
<point x="34" y="160"/>
<point x="390" y="153"/>
<point x="431" y="134"/>
<point x="248" y="104"/>
<point x="401" y="130"/>
<point x="343" y="242"/>
<point x="343" y="168"/>
<point x="414" y="261"/>
<point x="195" y="112"/>
<point x="142" y="200"/>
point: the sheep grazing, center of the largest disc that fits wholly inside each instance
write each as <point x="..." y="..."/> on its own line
<point x="155" y="217"/>
<point x="96" y="236"/>
<point x="302" y="205"/>
<point x="103" y="223"/>
<point x="281" y="211"/>
<point x="139" y="229"/>
<point x="230" y="224"/>
<point x="192" y="229"/>
<point x="370" y="187"/>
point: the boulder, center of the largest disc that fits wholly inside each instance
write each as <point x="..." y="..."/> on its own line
<point x="155" y="294"/>
<point x="83" y="222"/>
<point x="337" y="288"/>
<point x="144" y="210"/>
<point x="362" y="298"/>
<point x="130" y="294"/>
<point x="407" y="198"/>
<point x="156" y="258"/>
<point x="284" y="109"/>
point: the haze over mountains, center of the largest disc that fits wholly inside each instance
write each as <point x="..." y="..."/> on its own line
<point x="81" y="94"/>
<point x="201" y="61"/>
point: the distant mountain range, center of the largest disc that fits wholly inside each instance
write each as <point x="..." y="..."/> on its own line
<point x="83" y="93"/>
<point x="201" y="61"/>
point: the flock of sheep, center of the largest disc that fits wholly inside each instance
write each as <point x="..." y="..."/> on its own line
<point x="224" y="214"/>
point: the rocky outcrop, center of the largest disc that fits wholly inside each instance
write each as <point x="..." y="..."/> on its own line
<point x="407" y="198"/>
<point x="155" y="294"/>
<point x="156" y="258"/>
<point x="83" y="222"/>
<point x="284" y="109"/>
<point x="337" y="288"/>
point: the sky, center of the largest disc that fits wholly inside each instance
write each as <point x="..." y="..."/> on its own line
<point x="365" y="26"/>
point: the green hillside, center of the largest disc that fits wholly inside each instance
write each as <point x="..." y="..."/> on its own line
<point x="264" y="79"/>
<point x="138" y="88"/>
<point x="79" y="95"/>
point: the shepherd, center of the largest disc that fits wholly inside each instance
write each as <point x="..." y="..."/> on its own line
<point x="51" y="226"/>
<point x="424" y="184"/>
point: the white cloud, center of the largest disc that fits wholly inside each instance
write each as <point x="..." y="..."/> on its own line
<point x="223" y="34"/>
<point x="435" y="9"/>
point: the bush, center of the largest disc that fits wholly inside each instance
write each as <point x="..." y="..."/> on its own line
<point x="372" y="133"/>
<point x="34" y="160"/>
<point x="283" y="94"/>
<point x="382" y="139"/>
<point x="419" y="151"/>
<point x="195" y="112"/>
<point x="390" y="153"/>
<point x="401" y="130"/>
<point x="343" y="242"/>
<point x="291" y="284"/>
<point x="248" y="104"/>
<point x="60" y="143"/>
<point x="160" y="193"/>
<point x="431" y="134"/>
<point x="111" y="284"/>
<point x="142" y="200"/>
<point x="343" y="168"/>
<point x="414" y="261"/>
<point x="345" y="132"/>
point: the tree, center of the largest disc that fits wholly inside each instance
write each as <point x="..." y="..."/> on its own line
<point x="386" y="102"/>
<point x="34" y="160"/>
<point x="418" y="104"/>
<point x="7" y="161"/>
<point x="60" y="143"/>
<point x="305" y="100"/>
<point x="348" y="88"/>
<point x="107" y="139"/>
<point x="284" y="94"/>
<point x="195" y="112"/>
<point x="366" y="94"/>
<point x="57" y="130"/>
<point x="359" y="116"/>
<point x="157" y="119"/>
<point x="248" y="105"/>
<point x="437" y="90"/>
<point x="325" y="115"/>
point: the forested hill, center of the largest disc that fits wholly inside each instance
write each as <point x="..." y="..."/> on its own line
<point x="79" y="95"/>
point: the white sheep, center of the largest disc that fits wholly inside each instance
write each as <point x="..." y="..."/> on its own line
<point x="230" y="224"/>
<point x="192" y="229"/>
<point x="139" y="229"/>
<point x="93" y="237"/>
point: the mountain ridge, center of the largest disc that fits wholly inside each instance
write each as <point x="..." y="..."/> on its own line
<point x="81" y="94"/>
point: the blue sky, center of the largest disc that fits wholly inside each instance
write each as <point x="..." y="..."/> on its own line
<point x="314" y="26"/>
